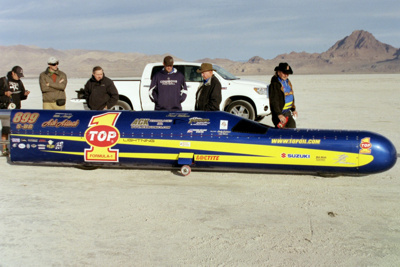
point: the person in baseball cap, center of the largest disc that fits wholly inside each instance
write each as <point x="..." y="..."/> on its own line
<point x="208" y="95"/>
<point x="12" y="92"/>
<point x="53" y="83"/>
<point x="18" y="71"/>
<point x="52" y="61"/>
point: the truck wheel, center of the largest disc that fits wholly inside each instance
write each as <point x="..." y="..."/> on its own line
<point x="242" y="108"/>
<point x="121" y="105"/>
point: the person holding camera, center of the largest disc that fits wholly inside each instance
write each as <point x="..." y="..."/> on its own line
<point x="12" y="92"/>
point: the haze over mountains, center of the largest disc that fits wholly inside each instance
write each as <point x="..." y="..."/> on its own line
<point x="359" y="52"/>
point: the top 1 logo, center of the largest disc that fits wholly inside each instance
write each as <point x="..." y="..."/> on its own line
<point x="101" y="137"/>
<point x="365" y="145"/>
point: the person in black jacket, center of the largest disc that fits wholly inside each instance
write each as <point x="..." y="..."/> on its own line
<point x="12" y="91"/>
<point x="281" y="97"/>
<point x="100" y="92"/>
<point x="208" y="95"/>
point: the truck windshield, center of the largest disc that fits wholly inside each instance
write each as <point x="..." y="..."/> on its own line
<point x="224" y="73"/>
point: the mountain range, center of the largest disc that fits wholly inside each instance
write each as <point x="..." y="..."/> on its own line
<point x="359" y="52"/>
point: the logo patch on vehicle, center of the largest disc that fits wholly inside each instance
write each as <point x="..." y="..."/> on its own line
<point x="365" y="145"/>
<point x="101" y="136"/>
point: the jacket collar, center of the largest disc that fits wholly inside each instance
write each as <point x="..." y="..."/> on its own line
<point x="48" y="71"/>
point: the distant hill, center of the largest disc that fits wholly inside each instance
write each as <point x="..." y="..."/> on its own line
<point x="358" y="53"/>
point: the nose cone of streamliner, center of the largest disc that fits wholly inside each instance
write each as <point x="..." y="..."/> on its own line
<point x="383" y="151"/>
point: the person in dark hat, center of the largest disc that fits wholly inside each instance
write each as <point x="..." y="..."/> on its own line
<point x="168" y="87"/>
<point x="12" y="92"/>
<point x="208" y="95"/>
<point x="281" y="97"/>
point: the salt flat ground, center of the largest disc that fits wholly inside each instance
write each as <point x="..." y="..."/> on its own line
<point x="58" y="216"/>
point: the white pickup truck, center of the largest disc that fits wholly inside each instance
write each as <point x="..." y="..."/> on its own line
<point x="240" y="97"/>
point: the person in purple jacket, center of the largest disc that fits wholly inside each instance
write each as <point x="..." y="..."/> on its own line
<point x="168" y="87"/>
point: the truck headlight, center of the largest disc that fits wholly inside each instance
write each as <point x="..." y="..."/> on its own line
<point x="260" y="90"/>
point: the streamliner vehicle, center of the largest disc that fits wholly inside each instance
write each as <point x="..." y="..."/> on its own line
<point x="192" y="140"/>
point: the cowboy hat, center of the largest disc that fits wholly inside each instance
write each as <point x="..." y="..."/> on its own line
<point x="205" y="67"/>
<point x="284" y="67"/>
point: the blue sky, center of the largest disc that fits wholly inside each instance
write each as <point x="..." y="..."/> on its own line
<point x="192" y="30"/>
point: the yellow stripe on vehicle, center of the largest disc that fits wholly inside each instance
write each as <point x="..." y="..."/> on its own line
<point x="241" y="153"/>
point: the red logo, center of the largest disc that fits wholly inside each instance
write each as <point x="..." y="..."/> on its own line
<point x="102" y="136"/>
<point x="366" y="145"/>
<point x="283" y="155"/>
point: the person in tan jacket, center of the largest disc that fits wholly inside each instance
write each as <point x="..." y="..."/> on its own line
<point x="53" y="83"/>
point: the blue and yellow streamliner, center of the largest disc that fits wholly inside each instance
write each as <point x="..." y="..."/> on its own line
<point x="195" y="140"/>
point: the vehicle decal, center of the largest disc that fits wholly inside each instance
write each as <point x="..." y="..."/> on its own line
<point x="365" y="145"/>
<point x="101" y="136"/>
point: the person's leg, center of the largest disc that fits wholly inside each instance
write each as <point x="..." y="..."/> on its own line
<point x="5" y="131"/>
<point x="291" y="122"/>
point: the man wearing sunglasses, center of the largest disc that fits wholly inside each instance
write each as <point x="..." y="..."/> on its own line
<point x="53" y="83"/>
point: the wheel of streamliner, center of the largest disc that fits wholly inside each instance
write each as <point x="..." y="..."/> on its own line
<point x="185" y="170"/>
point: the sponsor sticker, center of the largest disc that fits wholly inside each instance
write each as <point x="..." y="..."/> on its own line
<point x="21" y="145"/>
<point x="223" y="125"/>
<point x="343" y="159"/>
<point x="207" y="158"/>
<point x="296" y="141"/>
<point x="59" y="145"/>
<point x="295" y="156"/>
<point x="195" y="121"/>
<point x="151" y="124"/>
<point x="60" y="124"/>
<point x="197" y="131"/>
<point x="365" y="145"/>
<point x="184" y="144"/>
<point x="50" y="144"/>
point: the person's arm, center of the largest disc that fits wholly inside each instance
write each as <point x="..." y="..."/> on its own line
<point x="44" y="83"/>
<point x="153" y="91"/>
<point x="215" y="97"/>
<point x="3" y="87"/>
<point x="274" y="91"/>
<point x="293" y="108"/>
<point x="184" y="90"/>
<point x="24" y="93"/>
<point x="114" y="96"/>
<point x="86" y="93"/>
<point x="59" y="85"/>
